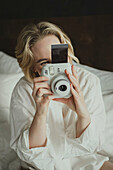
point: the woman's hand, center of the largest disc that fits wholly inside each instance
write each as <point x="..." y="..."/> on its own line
<point x="76" y="102"/>
<point x="42" y="95"/>
<point x="37" y="131"/>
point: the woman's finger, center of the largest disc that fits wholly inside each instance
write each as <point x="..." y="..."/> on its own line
<point x="45" y="99"/>
<point x="74" y="92"/>
<point x="74" y="73"/>
<point x="40" y="85"/>
<point x="67" y="73"/>
<point x="74" y="83"/>
<point x="42" y="92"/>
<point x="40" y="79"/>
<point x="39" y="82"/>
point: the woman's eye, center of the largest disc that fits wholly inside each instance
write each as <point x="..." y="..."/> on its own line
<point x="45" y="62"/>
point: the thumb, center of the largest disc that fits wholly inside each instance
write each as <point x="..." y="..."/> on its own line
<point x="62" y="100"/>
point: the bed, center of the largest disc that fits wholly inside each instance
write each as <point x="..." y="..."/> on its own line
<point x="92" y="38"/>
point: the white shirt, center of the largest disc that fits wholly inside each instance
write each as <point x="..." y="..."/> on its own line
<point x="63" y="150"/>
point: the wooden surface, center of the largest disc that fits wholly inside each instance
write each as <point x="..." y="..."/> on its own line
<point x="92" y="37"/>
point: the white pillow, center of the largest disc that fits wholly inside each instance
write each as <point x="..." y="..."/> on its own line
<point x="7" y="84"/>
<point x="4" y="115"/>
<point x="8" y="64"/>
<point x="106" y="78"/>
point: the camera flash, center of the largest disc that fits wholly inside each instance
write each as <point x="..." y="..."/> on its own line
<point x="51" y="70"/>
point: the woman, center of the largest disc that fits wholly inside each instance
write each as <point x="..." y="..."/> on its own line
<point x="49" y="133"/>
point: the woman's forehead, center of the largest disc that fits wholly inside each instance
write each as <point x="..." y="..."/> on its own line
<point x="42" y="48"/>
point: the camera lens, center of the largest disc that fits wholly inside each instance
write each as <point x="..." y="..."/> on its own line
<point x="63" y="88"/>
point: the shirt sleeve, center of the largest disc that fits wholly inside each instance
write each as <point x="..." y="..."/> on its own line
<point x="92" y="138"/>
<point x="21" y="116"/>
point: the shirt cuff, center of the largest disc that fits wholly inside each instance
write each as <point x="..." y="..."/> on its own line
<point x="89" y="142"/>
<point x="37" y="157"/>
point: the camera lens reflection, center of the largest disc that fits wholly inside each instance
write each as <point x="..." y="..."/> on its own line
<point x="63" y="88"/>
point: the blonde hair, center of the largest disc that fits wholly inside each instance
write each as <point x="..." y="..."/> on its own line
<point x="29" y="36"/>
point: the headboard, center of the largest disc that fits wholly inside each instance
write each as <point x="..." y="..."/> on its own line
<point x="91" y="36"/>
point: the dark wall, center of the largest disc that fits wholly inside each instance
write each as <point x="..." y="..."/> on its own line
<point x="53" y="8"/>
<point x="91" y="36"/>
<point x="89" y="24"/>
